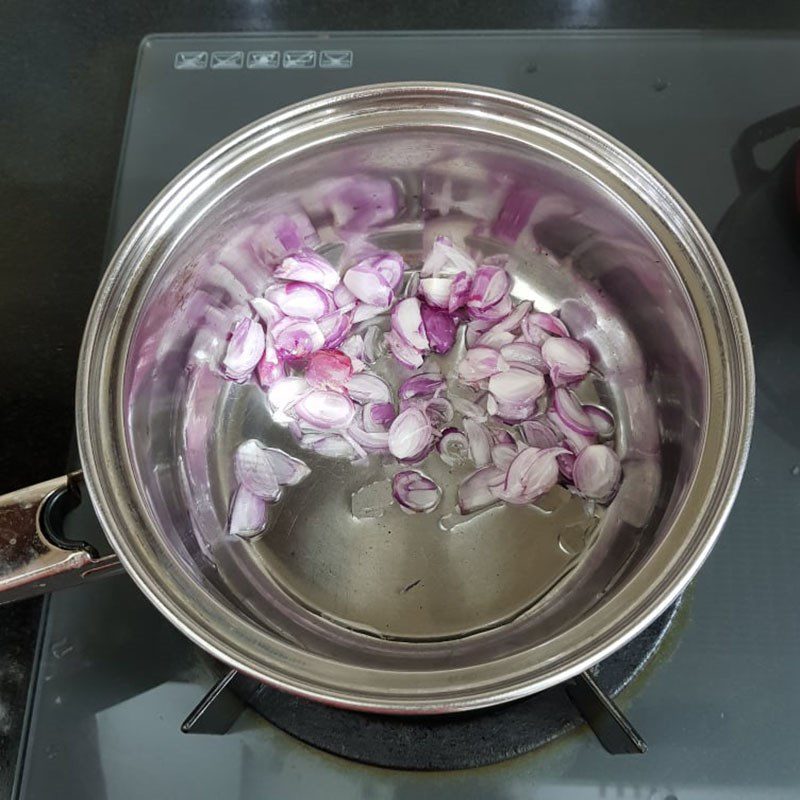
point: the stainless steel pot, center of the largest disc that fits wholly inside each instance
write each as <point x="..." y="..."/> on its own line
<point x="395" y="613"/>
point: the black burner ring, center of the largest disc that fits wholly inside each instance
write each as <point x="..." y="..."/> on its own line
<point x="452" y="741"/>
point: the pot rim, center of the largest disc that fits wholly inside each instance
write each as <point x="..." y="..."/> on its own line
<point x="240" y="643"/>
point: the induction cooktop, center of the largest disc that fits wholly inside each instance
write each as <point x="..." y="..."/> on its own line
<point x="719" y="116"/>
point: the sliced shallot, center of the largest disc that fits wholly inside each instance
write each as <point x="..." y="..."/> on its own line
<point x="245" y="348"/>
<point x="453" y="447"/>
<point x="538" y="327"/>
<point x="602" y="419"/>
<point x="490" y="286"/>
<point x="480" y="443"/>
<point x="288" y="470"/>
<point x="572" y="413"/>
<point x="446" y="260"/>
<point x="378" y="416"/>
<point x="353" y="346"/>
<point x="367" y="388"/>
<point x="531" y="474"/>
<point x="340" y="409"/>
<point x="297" y="338"/>
<point x="510" y="412"/>
<point x="503" y="437"/>
<point x="436" y="291"/>
<point x="248" y="514"/>
<point x="412" y="285"/>
<point x="438" y="410"/>
<point x="270" y="367"/>
<point x="481" y="363"/>
<point x="495" y="338"/>
<point x="369" y="286"/>
<point x="407" y="323"/>
<point x="301" y="300"/>
<point x="537" y="433"/>
<point x="390" y="266"/>
<point x="410" y="435"/>
<point x="516" y="386"/>
<point x="334" y="327"/>
<point x="342" y="296"/>
<point x="468" y="409"/>
<point x="524" y="353"/>
<point x="371" y="441"/>
<point x="493" y="313"/>
<point x="566" y="464"/>
<point x="269" y="312"/>
<point x="284" y="393"/>
<point x="567" y="360"/>
<point x="478" y="490"/>
<point x="407" y="355"/>
<point x="440" y="328"/>
<point x="415" y="492"/>
<point x="365" y="311"/>
<point x="328" y="369"/>
<point x="475" y="329"/>
<point x="308" y="267"/>
<point x="374" y="347"/>
<point x="253" y="468"/>
<point x="426" y="384"/>
<point x="503" y="455"/>
<point x="572" y="439"/>
<point x="330" y="445"/>
<point x="459" y="291"/>
<point x="325" y="410"/>
<point x="596" y="471"/>
<point x="512" y="321"/>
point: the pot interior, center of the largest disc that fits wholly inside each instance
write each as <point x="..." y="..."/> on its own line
<point x="391" y="612"/>
<point x="378" y="587"/>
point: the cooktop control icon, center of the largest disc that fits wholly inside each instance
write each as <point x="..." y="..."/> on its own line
<point x="191" y="59"/>
<point x="225" y="59"/>
<point x="299" y="59"/>
<point x="335" y="59"/>
<point x="263" y="59"/>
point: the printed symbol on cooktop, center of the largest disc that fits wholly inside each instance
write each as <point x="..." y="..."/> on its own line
<point x="335" y="59"/>
<point x="263" y="59"/>
<point x="299" y="59"/>
<point x="191" y="59"/>
<point x="224" y="59"/>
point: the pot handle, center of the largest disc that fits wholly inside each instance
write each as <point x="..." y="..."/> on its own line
<point x="749" y="175"/>
<point x="34" y="558"/>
